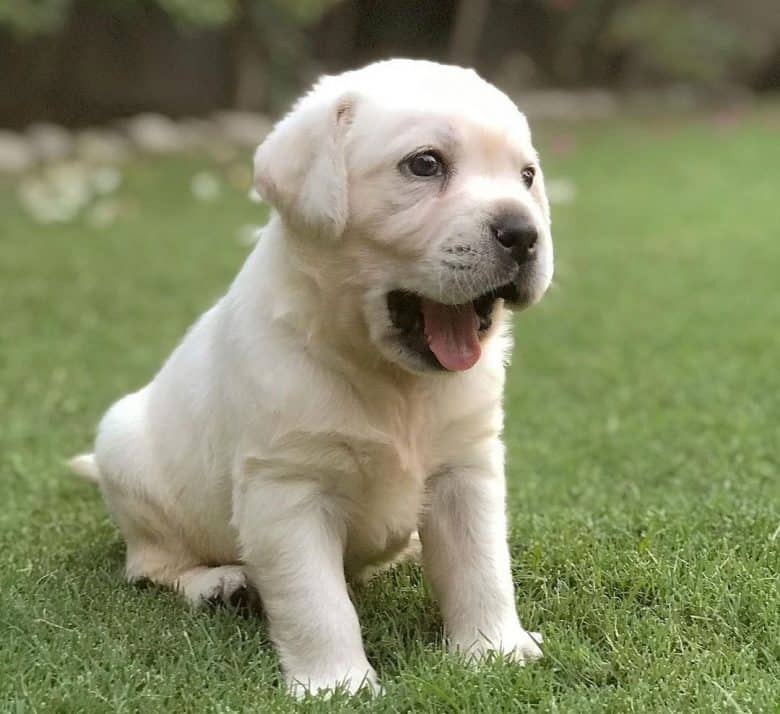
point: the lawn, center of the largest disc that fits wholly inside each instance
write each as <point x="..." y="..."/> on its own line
<point x="643" y="431"/>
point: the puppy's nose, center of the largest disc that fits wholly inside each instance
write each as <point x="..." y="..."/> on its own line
<point x="516" y="233"/>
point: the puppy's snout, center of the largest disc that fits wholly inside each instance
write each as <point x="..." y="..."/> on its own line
<point x="516" y="233"/>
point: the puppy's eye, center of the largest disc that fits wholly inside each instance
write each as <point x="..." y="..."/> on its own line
<point x="529" y="173"/>
<point x="426" y="164"/>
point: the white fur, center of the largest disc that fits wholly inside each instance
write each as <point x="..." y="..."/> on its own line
<point x="289" y="439"/>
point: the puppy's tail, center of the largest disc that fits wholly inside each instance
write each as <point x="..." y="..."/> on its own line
<point x="85" y="466"/>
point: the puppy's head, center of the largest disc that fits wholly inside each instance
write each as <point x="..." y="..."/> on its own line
<point x="422" y="181"/>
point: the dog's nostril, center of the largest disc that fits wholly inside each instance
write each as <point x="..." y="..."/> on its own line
<point x="516" y="233"/>
<point x="507" y="238"/>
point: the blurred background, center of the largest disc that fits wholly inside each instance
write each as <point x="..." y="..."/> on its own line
<point x="83" y="62"/>
<point x="93" y="82"/>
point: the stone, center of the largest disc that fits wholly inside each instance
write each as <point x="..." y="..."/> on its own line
<point x="50" y="142"/>
<point x="16" y="153"/>
<point x="102" y="146"/>
<point x="205" y="186"/>
<point x="155" y="134"/>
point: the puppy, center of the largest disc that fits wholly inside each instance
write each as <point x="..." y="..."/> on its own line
<point x="346" y="392"/>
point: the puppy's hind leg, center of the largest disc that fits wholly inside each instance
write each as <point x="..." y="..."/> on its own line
<point x="226" y="584"/>
<point x="160" y="547"/>
<point x="172" y="565"/>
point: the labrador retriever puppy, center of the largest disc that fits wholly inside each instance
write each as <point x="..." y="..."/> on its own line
<point x="346" y="392"/>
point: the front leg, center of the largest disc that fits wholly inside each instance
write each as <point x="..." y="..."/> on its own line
<point x="293" y="541"/>
<point x="466" y="560"/>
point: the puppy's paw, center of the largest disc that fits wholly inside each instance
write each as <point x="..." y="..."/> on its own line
<point x="514" y="643"/>
<point x="525" y="647"/>
<point x="351" y="681"/>
<point x="210" y="586"/>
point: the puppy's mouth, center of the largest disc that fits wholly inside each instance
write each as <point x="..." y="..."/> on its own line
<point x="445" y="336"/>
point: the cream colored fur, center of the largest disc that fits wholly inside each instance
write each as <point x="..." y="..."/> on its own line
<point x="288" y="442"/>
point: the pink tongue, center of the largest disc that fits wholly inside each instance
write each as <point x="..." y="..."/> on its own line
<point x="452" y="334"/>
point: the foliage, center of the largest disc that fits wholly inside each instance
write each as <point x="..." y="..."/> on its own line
<point x="267" y="37"/>
<point x="694" y="42"/>
<point x="629" y="42"/>
<point x="28" y="17"/>
<point x="46" y="16"/>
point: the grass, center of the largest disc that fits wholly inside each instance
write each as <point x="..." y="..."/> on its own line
<point x="643" y="431"/>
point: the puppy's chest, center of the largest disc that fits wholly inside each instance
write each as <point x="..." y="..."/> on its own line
<point x="392" y="469"/>
<point x="386" y="491"/>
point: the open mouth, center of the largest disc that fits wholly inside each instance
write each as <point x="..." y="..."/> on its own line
<point x="445" y="336"/>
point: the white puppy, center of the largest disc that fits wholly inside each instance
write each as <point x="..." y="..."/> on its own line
<point x="346" y="391"/>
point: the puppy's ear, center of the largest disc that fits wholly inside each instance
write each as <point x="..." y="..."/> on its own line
<point x="300" y="168"/>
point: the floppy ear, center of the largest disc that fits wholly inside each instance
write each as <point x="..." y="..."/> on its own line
<point x="300" y="168"/>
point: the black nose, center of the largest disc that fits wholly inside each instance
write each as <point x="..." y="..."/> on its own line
<point x="516" y="233"/>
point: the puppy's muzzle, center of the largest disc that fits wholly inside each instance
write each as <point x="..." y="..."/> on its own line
<point x="517" y="235"/>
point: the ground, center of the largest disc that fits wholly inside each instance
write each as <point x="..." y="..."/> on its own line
<point x="643" y="430"/>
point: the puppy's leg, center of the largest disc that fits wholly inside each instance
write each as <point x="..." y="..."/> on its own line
<point x="466" y="560"/>
<point x="172" y="565"/>
<point x="293" y="544"/>
<point x="158" y="553"/>
<point x="211" y="585"/>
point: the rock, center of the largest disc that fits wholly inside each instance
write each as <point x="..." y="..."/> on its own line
<point x="101" y="146"/>
<point x="155" y="134"/>
<point x="50" y="142"/>
<point x="16" y="154"/>
<point x="105" y="180"/>
<point x="205" y="186"/>
<point x="243" y="128"/>
<point x="44" y="203"/>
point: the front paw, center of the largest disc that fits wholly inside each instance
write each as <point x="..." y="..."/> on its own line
<point x="514" y="643"/>
<point x="351" y="680"/>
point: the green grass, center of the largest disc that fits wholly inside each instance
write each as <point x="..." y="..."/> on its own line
<point x="643" y="463"/>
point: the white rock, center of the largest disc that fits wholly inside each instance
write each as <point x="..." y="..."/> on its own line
<point x="101" y="146"/>
<point x="16" y="154"/>
<point x="58" y="194"/>
<point x="70" y="184"/>
<point x="205" y="186"/>
<point x="50" y="142"/>
<point x="243" y="128"/>
<point x="44" y="203"/>
<point x="155" y="134"/>
<point x="105" y="180"/>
